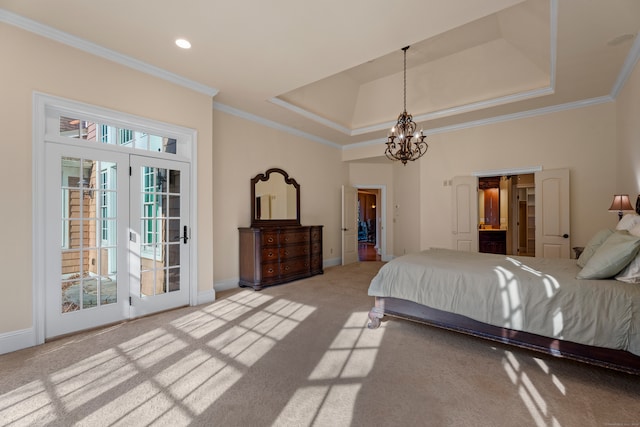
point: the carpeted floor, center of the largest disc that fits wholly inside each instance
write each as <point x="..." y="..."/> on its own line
<point x="298" y="355"/>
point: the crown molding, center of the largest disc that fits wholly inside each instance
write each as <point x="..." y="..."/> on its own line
<point x="95" y="49"/>
<point x="310" y="115"/>
<point x="512" y="171"/>
<point x="462" y="109"/>
<point x="270" y="123"/>
<point x="498" y="119"/>
<point x="627" y="68"/>
<point x="419" y="118"/>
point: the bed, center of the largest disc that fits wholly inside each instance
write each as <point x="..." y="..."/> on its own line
<point x="557" y="306"/>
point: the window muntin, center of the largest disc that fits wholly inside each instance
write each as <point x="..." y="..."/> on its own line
<point x="101" y="133"/>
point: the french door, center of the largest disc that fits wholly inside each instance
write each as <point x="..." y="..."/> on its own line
<point x="159" y="235"/>
<point x="116" y="237"/>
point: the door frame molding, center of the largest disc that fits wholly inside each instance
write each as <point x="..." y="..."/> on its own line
<point x="187" y="138"/>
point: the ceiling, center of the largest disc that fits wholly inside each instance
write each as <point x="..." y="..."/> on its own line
<point x="333" y="70"/>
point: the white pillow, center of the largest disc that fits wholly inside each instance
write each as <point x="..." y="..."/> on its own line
<point x="611" y="257"/>
<point x="635" y="230"/>
<point x="628" y="221"/>
<point x="592" y="245"/>
<point x="631" y="273"/>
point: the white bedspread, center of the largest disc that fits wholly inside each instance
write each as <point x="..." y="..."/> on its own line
<point x="536" y="295"/>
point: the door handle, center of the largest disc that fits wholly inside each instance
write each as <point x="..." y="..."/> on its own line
<point x="565" y="235"/>
<point x="185" y="237"/>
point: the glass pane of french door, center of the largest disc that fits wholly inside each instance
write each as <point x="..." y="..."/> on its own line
<point x="86" y="202"/>
<point x="88" y="227"/>
<point x="159" y="251"/>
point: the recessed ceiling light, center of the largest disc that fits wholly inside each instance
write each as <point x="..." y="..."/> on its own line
<point x="183" y="43"/>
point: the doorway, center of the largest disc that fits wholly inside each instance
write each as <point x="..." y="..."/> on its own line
<point x="118" y="250"/>
<point x="368" y="225"/>
<point x="113" y="212"/>
<point x="547" y="207"/>
<point x="506" y="214"/>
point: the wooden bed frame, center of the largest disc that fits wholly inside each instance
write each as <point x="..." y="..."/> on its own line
<point x="613" y="359"/>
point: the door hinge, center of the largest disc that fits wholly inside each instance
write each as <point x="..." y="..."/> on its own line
<point x="130" y="301"/>
<point x="130" y="171"/>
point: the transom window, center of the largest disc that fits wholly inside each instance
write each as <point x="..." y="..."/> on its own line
<point x="101" y="133"/>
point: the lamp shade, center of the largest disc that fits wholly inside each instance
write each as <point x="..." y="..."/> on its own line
<point x="620" y="203"/>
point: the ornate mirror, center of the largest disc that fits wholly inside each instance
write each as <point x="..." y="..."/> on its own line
<point x="275" y="199"/>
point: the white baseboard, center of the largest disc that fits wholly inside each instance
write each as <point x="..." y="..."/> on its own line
<point x="17" y="340"/>
<point x="225" y="285"/>
<point x="206" y="297"/>
<point x="331" y="262"/>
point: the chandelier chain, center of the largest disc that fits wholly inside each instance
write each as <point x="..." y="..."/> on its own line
<point x="405" y="78"/>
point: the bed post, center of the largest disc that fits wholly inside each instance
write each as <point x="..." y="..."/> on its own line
<point x="376" y="314"/>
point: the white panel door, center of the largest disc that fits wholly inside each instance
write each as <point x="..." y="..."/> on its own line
<point x="464" y="197"/>
<point x="86" y="277"/>
<point x="159" y="238"/>
<point x="349" y="225"/>
<point x="552" y="214"/>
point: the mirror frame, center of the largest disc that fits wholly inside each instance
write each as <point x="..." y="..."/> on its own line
<point x="273" y="222"/>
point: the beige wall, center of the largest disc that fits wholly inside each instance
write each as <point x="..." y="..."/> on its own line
<point x="582" y="140"/>
<point x="242" y="149"/>
<point x="32" y="63"/>
<point x="407" y="207"/>
<point x="628" y="136"/>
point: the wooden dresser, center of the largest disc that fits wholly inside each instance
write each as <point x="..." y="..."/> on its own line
<point x="271" y="255"/>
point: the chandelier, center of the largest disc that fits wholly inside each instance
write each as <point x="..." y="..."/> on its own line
<point x="404" y="143"/>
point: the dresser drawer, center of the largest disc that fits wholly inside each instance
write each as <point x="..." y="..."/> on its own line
<point x="271" y="254"/>
<point x="270" y="270"/>
<point x="290" y="237"/>
<point x="294" y="266"/>
<point x="293" y="251"/>
<point x="270" y="238"/>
